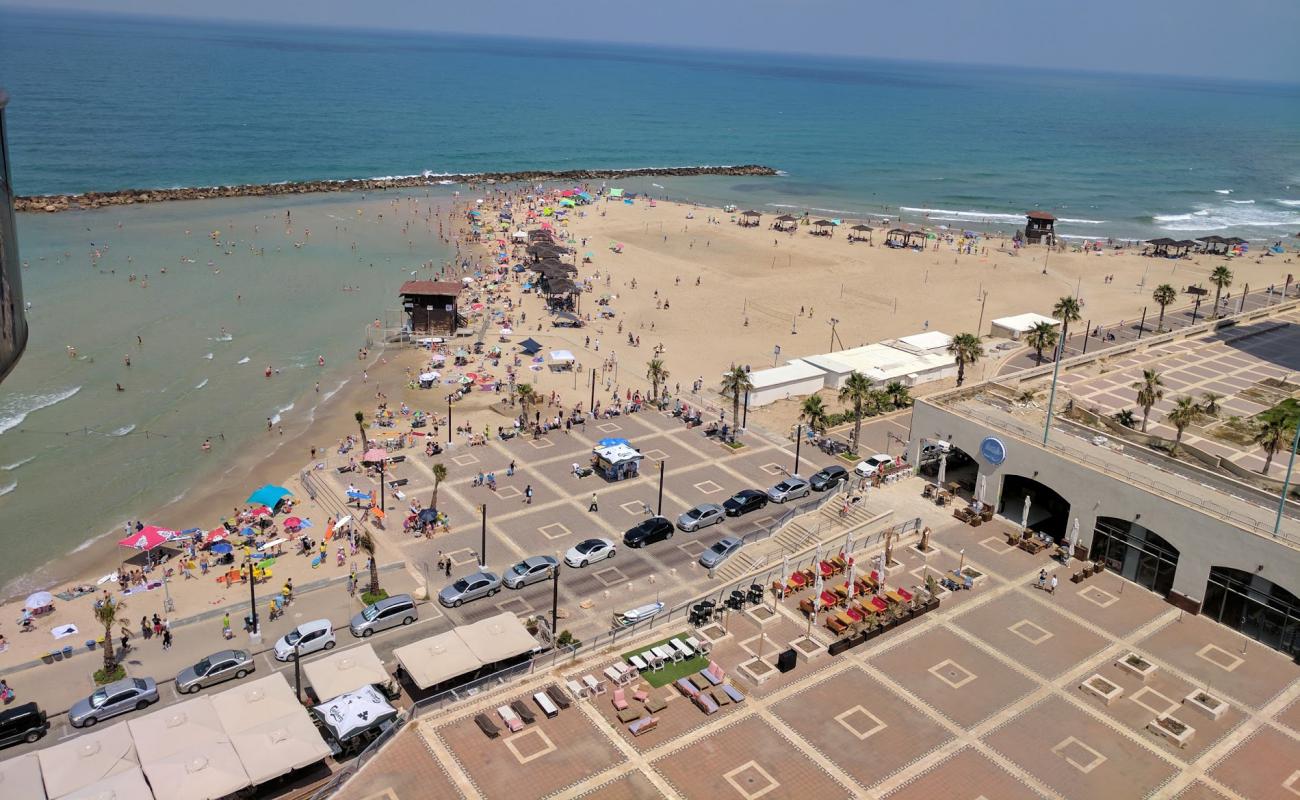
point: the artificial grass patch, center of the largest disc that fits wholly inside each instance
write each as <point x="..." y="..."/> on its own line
<point x="671" y="671"/>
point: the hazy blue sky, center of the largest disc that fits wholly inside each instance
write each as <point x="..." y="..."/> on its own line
<point x="1241" y="39"/>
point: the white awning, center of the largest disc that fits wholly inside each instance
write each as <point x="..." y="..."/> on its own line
<point x="185" y="748"/>
<point x="498" y="638"/>
<point x="269" y="729"/>
<point x="343" y="672"/>
<point x="20" y="778"/>
<point x="129" y="785"/>
<point x="436" y="659"/>
<point x="91" y="757"/>
<point x="563" y="356"/>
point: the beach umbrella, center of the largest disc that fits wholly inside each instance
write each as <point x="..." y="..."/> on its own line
<point x="428" y="516"/>
<point x="261" y="511"/>
<point x="360" y="496"/>
<point x="374" y="455"/>
<point x="247" y="531"/>
<point x="216" y="535"/>
<point x="429" y="376"/>
<point x="268" y="495"/>
<point x="293" y="522"/>
<point x="506" y="331"/>
<point x="612" y="442"/>
<point x="39" y="600"/>
<point x="147" y="539"/>
<point x="221" y="548"/>
<point x="1024" y="514"/>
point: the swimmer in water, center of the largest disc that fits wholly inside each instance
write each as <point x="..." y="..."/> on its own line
<point x="120" y="389"/>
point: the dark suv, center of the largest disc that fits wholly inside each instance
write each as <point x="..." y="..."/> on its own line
<point x="24" y="723"/>
<point x="744" y="501"/>
<point x="655" y="529"/>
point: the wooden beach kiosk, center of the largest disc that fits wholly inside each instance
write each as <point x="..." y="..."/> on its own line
<point x="430" y="306"/>
<point x="1040" y="225"/>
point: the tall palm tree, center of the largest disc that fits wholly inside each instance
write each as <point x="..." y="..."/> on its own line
<point x="657" y="375"/>
<point x="735" y="384"/>
<point x="1041" y="337"/>
<point x="1150" y="391"/>
<point x="1163" y="295"/>
<point x="1221" y="277"/>
<point x="858" y="393"/>
<point x="967" y="349"/>
<point x="527" y="396"/>
<point x="899" y="396"/>
<point x="439" y="475"/>
<point x="813" y="412"/>
<point x="1211" y="404"/>
<point x="1183" y="413"/>
<point x="1271" y="436"/>
<point x="361" y="427"/>
<point x="367" y="543"/>
<point x="1068" y="309"/>
<point x="106" y="614"/>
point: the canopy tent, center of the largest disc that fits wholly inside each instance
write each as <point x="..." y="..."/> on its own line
<point x="20" y="778"/>
<point x="270" y="730"/>
<point x="431" y="661"/>
<point x="185" y="748"/>
<point x="129" y="785"/>
<point x="209" y="773"/>
<point x="344" y="672"/>
<point x="562" y="357"/>
<point x="148" y="538"/>
<point x="349" y="714"/>
<point x="530" y="346"/>
<point x="269" y="495"/>
<point x="497" y="638"/>
<point x="95" y="755"/>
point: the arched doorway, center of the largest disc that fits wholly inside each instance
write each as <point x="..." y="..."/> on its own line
<point x="1137" y="554"/>
<point x="1049" y="512"/>
<point x="940" y="459"/>
<point x="1255" y="606"/>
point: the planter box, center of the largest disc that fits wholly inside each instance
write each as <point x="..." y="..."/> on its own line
<point x="976" y="577"/>
<point x="1102" y="688"/>
<point x="835" y="648"/>
<point x="1206" y="703"/>
<point x="1143" y="669"/>
<point x="756" y="670"/>
<point x="807" y="647"/>
<point x="1175" y="730"/>
<point x="1077" y="577"/>
<point x="871" y="634"/>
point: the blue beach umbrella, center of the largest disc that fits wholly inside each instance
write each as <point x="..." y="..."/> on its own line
<point x="221" y="548"/>
<point x="269" y="495"/>
<point x="612" y="442"/>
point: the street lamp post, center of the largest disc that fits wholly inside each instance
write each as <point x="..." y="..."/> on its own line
<point x="297" y="672"/>
<point x="798" y="440"/>
<point x="482" y="551"/>
<point x="382" y="501"/>
<point x="254" y="633"/>
<point x="449" y="418"/>
<point x="592" y="408"/>
<point x="555" y="598"/>
<point x="660" y="512"/>
<point x="1286" y="484"/>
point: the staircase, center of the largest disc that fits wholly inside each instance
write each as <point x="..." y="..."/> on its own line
<point x="824" y="525"/>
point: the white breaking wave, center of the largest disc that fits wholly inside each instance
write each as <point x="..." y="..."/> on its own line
<point x="657" y="186"/>
<point x="16" y="407"/>
<point x="243" y="360"/>
<point x="1072" y="221"/>
<point x="1217" y="218"/>
<point x="1243" y="202"/>
<point x="122" y="431"/>
<point x="6" y="489"/>
<point x="279" y="412"/>
<point x="814" y="208"/>
<point x="335" y="390"/>
<point x="223" y="338"/>
<point x="202" y="383"/>
<point x="17" y="464"/>
<point x="1291" y="203"/>
<point x="989" y="216"/>
<point x="1223" y="191"/>
<point x="208" y="356"/>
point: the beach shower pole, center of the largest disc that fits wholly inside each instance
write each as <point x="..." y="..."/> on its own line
<point x="1143" y="324"/>
<point x="1286" y="483"/>
<point x="1087" y="331"/>
<point x="798" y="439"/>
<point x="1196" y="308"/>
<point x="254" y="635"/>
<point x="1243" y="299"/>
<point x="482" y="550"/>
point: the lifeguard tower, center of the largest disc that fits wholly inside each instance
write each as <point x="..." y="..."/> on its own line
<point x="1040" y="225"/>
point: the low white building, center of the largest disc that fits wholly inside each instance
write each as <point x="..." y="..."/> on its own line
<point x="1015" y="327"/>
<point x="883" y="364"/>
<point x="795" y="378"/>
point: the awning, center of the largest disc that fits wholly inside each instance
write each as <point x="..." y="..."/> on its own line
<point x="95" y="755"/>
<point x="562" y="356"/>
<point x="530" y="346"/>
<point x="349" y="714"/>
<point x="268" y="495"/>
<point x="270" y="730"/>
<point x="129" y="785"/>
<point x="20" y="778"/>
<point x="497" y="638"/>
<point x="344" y="672"/>
<point x="186" y="749"/>
<point x="436" y="659"/>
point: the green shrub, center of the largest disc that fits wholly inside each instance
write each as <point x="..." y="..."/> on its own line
<point x="368" y="598"/>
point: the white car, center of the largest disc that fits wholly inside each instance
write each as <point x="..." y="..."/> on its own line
<point x="308" y="637"/>
<point x="589" y="551"/>
<point x="873" y="465"/>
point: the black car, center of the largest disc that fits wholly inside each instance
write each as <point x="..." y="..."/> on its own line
<point x="744" y="501"/>
<point x="655" y="529"/>
<point x="24" y="723"/>
<point x="829" y="478"/>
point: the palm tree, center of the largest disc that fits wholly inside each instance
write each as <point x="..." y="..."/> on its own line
<point x="1041" y="337"/>
<point x="1221" y="277"/>
<point x="439" y="475"/>
<point x="735" y="384"/>
<point x="1150" y="392"/>
<point x="106" y="615"/>
<point x="527" y="396"/>
<point x="657" y="375"/>
<point x="361" y="426"/>
<point x="1126" y="417"/>
<point x="1067" y="310"/>
<point x="813" y="412"/>
<point x="967" y="349"/>
<point x="1211" y="404"/>
<point x="367" y="543"/>
<point x="1183" y="413"/>
<point x="899" y="396"/>
<point x="858" y="393"/>
<point x="1163" y="295"/>
<point x="1271" y="436"/>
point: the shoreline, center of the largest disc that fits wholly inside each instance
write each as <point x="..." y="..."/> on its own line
<point x="54" y="203"/>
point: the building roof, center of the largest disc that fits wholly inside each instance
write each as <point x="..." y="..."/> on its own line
<point x="1043" y="215"/>
<point x="443" y="288"/>
<point x="1023" y="322"/>
<point x="928" y="340"/>
<point x="880" y="362"/>
<point x="794" y="370"/>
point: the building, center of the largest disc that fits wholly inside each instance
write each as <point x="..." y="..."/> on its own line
<point x="13" y="316"/>
<point x="1199" y="525"/>
<point x="795" y="378"/>
<point x="1040" y="225"/>
<point x="1015" y="327"/>
<point x="430" y="306"/>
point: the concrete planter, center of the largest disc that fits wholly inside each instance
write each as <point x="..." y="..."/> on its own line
<point x="1175" y="730"/>
<point x="1102" y="688"/>
<point x="1135" y="664"/>
<point x="1206" y="704"/>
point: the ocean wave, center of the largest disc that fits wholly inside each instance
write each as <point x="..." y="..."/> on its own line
<point x="243" y="360"/>
<point x="1217" y="218"/>
<point x="280" y="412"/>
<point x="208" y="356"/>
<point x="17" y="464"/>
<point x="815" y="208"/>
<point x="335" y="390"/>
<point x="982" y="216"/>
<point x="7" y="488"/>
<point x="122" y="431"/>
<point x="1074" y="221"/>
<point x="1290" y="203"/>
<point x="1223" y="191"/>
<point x="1242" y="202"/>
<point x="16" y="407"/>
<point x="225" y="337"/>
<point x="202" y="383"/>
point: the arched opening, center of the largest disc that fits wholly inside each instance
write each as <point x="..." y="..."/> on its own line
<point x="1049" y="513"/>
<point x="1137" y="554"/>
<point x="944" y="460"/>
<point x="1255" y="606"/>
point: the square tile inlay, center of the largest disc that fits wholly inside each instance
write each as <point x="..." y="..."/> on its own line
<point x="708" y="487"/>
<point x="1100" y="597"/>
<point x="508" y="492"/>
<point x="1290" y="783"/>
<point x="635" y="508"/>
<point x="998" y="544"/>
<point x="556" y="530"/>
<point x="952" y="673"/>
<point x="462" y="556"/>
<point x="1220" y="658"/>
<point x="860" y="722"/>
<point x="655" y="454"/>
<point x="1079" y="755"/>
<point x="1156" y="702"/>
<point x="609" y="427"/>
<point x="465" y="459"/>
<point x="1034" y="634"/>
<point x="610" y="576"/>
<point x="525" y="749"/>
<point x="540" y="444"/>
<point x="751" y="780"/>
<point x="773" y="469"/>
<point x="515" y="605"/>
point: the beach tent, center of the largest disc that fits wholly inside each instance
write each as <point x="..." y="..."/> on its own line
<point x="147" y="539"/>
<point x="20" y="778"/>
<point x="497" y="638"/>
<point x="351" y="713"/>
<point x="129" y="785"/>
<point x="530" y="346"/>
<point x="270" y="730"/>
<point x="268" y="495"/>
<point x="345" y="672"/>
<point x="562" y="359"/>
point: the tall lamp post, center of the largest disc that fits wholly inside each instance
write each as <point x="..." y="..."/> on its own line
<point x="1286" y="484"/>
<point x="254" y="632"/>
<point x="798" y="440"/>
<point x="449" y="419"/>
<point x="555" y="598"/>
<point x="660" y="512"/>
<point x="482" y="550"/>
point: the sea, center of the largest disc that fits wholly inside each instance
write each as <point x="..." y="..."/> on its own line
<point x="102" y="102"/>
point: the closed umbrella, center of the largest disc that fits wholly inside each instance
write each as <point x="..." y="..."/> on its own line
<point x="943" y="469"/>
<point x="984" y="480"/>
<point x="852" y="577"/>
<point x="1074" y="541"/>
<point x="785" y="572"/>
<point x="1024" y="514"/>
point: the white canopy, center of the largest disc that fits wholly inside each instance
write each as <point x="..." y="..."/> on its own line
<point x="20" y="778"/>
<point x="340" y="673"/>
<point x="429" y="376"/>
<point x="269" y="729"/>
<point x="353" y="712"/>
<point x="436" y="659"/>
<point x="497" y="638"/>
<point x="95" y="755"/>
<point x="129" y="785"/>
<point x="186" y="749"/>
<point x="617" y="454"/>
<point x="562" y="356"/>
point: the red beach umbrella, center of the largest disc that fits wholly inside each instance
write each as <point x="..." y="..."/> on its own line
<point x="374" y="455"/>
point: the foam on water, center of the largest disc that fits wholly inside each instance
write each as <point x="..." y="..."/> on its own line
<point x="15" y="408"/>
<point x="208" y="356"/>
<point x="1289" y="203"/>
<point x="325" y="397"/>
<point x="1217" y="218"/>
<point x="1223" y="191"/>
<point x="280" y="412"/>
<point x="122" y="431"/>
<point x="17" y="464"/>
<point x="202" y="383"/>
<point x="243" y="360"/>
<point x="7" y="488"/>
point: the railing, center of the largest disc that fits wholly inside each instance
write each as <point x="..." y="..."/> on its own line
<point x="790" y="515"/>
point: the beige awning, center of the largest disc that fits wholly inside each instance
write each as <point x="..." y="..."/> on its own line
<point x="436" y="659"/>
<point x="186" y="749"/>
<point x="175" y="729"/>
<point x="497" y="638"/>
<point x="129" y="785"/>
<point x="343" y="672"/>
<point x="272" y="732"/>
<point x="91" y="757"/>
<point x="20" y="778"/>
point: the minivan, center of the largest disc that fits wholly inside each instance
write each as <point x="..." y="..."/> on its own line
<point x="384" y="614"/>
<point x="24" y="723"/>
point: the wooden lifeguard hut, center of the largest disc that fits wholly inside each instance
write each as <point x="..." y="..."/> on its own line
<point x="1040" y="225"/>
<point x="430" y="306"/>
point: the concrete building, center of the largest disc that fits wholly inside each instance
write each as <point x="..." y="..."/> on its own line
<point x="795" y="378"/>
<point x="1015" y="327"/>
<point x="1198" y="531"/>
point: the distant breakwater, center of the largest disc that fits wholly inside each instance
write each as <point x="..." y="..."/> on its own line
<point x="123" y="197"/>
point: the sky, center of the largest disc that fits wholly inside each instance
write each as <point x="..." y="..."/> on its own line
<point x="1245" y="39"/>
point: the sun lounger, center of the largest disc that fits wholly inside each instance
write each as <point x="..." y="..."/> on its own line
<point x="627" y="715"/>
<point x="654" y="704"/>
<point x="639" y="663"/>
<point x="576" y="689"/>
<point x="652" y="661"/>
<point x="522" y="710"/>
<point x="732" y="692"/>
<point x="693" y="643"/>
<point x="643" y="725"/>
<point x="616" y="675"/>
<point x="594" y="687"/>
<point x="720" y="697"/>
<point x="681" y="647"/>
<point x="544" y="703"/>
<point x="715" y="670"/>
<point x="486" y="725"/>
<point x="557" y="696"/>
<point x="511" y="719"/>
<point x="712" y="681"/>
<point x="640" y="694"/>
<point x="699" y="681"/>
<point x="667" y="653"/>
<point x="686" y="687"/>
<point x="705" y="703"/>
<point x="619" y="699"/>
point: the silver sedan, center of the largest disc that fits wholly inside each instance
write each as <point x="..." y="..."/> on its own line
<point x="218" y="667"/>
<point x="792" y="488"/>
<point x="702" y="516"/>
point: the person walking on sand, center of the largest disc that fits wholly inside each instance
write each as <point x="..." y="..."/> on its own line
<point x="593" y="507"/>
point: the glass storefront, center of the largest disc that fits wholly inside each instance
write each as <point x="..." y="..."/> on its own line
<point x="1136" y="553"/>
<point x="1254" y="606"/>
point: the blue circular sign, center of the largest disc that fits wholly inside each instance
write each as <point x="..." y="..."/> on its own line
<point x="993" y="450"/>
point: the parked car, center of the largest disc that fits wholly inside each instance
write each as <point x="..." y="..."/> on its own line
<point x="24" y="723"/>
<point x="792" y="488"/>
<point x="702" y="516"/>
<point x="218" y="667"/>
<point x="308" y="637"/>
<point x="828" y="478"/>
<point x="934" y="448"/>
<point x="384" y="614"/>
<point x="744" y="501"/>
<point x="589" y="551"/>
<point x="649" y="531"/>
<point x="721" y="550"/>
<point x="530" y="570"/>
<point x="873" y="465"/>
<point x="470" y="587"/>
<point x="118" y="697"/>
